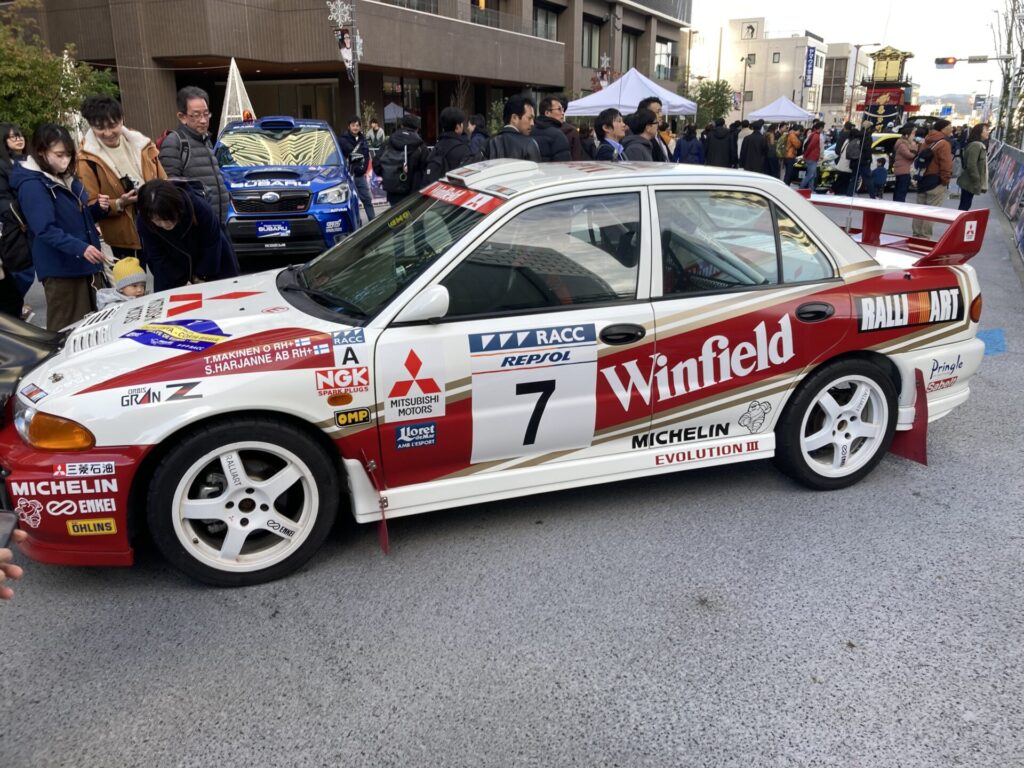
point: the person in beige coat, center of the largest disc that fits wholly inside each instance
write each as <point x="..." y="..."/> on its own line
<point x="116" y="161"/>
<point x="974" y="178"/>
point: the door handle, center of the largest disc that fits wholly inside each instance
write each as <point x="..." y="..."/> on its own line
<point x="815" y="311"/>
<point x="623" y="333"/>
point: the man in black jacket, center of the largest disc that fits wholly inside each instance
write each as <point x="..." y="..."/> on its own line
<point x="452" y="149"/>
<point x="721" y="146"/>
<point x="547" y="132"/>
<point x="402" y="163"/>
<point x="659" y="152"/>
<point x="187" y="151"/>
<point x="513" y="141"/>
<point x="576" y="149"/>
<point x="356" y="152"/>
<point x="643" y="127"/>
<point x="754" y="154"/>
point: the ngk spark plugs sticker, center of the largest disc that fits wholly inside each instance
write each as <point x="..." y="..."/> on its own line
<point x="413" y="378"/>
<point x="534" y="390"/>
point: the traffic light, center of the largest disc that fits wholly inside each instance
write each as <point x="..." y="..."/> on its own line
<point x="946" y="62"/>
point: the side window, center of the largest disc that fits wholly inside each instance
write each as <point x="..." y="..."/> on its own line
<point x="715" y="240"/>
<point x="801" y="258"/>
<point x="567" y="253"/>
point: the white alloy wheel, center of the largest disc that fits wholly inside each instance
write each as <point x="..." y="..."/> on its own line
<point x="844" y="427"/>
<point x="245" y="506"/>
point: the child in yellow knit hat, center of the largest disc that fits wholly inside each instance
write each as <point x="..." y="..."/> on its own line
<point x="129" y="283"/>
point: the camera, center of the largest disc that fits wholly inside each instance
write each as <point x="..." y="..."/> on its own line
<point x="127" y="183"/>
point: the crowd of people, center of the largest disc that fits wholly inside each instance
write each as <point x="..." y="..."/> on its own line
<point x="89" y="219"/>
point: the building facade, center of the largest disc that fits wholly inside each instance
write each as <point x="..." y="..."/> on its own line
<point x="418" y="56"/>
<point x="843" y="82"/>
<point x="761" y="68"/>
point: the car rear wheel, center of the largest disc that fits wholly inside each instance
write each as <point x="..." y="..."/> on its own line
<point x="837" y="426"/>
<point x="243" y="502"/>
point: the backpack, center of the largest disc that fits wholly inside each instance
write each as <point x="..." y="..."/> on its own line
<point x="185" y="148"/>
<point x="357" y="163"/>
<point x="393" y="165"/>
<point x="853" y="149"/>
<point x="15" y="248"/>
<point x="780" y="145"/>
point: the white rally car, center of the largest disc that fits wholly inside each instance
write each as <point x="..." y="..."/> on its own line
<point x="512" y="330"/>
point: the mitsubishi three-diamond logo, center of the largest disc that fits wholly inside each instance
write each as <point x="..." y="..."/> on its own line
<point x="417" y="391"/>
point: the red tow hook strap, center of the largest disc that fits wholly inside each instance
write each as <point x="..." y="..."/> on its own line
<point x="382" y="526"/>
<point x="913" y="443"/>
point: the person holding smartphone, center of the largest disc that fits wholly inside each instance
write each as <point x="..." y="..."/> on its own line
<point x="116" y="161"/>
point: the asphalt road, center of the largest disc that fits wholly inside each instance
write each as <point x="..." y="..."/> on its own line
<point x="716" y="618"/>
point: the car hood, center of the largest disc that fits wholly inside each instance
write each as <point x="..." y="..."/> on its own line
<point x="283" y="176"/>
<point x="167" y="330"/>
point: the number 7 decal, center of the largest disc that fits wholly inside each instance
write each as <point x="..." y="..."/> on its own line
<point x="545" y="390"/>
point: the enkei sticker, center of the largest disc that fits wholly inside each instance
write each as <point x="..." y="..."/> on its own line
<point x="80" y="506"/>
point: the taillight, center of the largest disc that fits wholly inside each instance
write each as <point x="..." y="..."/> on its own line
<point x="976" y="309"/>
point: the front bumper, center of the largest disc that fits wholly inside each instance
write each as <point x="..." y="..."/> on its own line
<point x="74" y="506"/>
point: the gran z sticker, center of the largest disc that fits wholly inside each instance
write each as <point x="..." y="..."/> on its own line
<point x="904" y="310"/>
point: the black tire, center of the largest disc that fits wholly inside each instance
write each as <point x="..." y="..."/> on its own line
<point x="848" y="456"/>
<point x="275" y="532"/>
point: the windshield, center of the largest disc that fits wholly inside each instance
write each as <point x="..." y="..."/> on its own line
<point x="251" y="145"/>
<point x="365" y="271"/>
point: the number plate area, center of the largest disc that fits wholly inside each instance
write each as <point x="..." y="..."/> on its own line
<point x="534" y="390"/>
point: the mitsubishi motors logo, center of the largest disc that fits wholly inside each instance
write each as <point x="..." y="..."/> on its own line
<point x="413" y="365"/>
<point x="418" y="388"/>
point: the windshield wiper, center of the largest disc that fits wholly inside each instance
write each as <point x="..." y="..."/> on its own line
<point x="329" y="298"/>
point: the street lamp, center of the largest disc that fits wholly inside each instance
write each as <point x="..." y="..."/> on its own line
<point x="743" y="94"/>
<point x="853" y="75"/>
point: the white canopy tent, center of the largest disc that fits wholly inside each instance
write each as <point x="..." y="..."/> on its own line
<point x="625" y="93"/>
<point x="782" y="109"/>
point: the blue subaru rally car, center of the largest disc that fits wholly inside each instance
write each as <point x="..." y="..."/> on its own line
<point x="290" y="190"/>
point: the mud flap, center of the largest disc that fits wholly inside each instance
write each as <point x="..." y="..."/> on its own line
<point x="913" y="443"/>
<point x="382" y="525"/>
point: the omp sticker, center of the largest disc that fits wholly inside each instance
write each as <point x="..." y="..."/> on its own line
<point x="186" y="335"/>
<point x="101" y="526"/>
<point x="413" y="378"/>
<point x="534" y="390"/>
<point x="352" y="418"/>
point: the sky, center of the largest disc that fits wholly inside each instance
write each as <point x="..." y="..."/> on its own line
<point x="928" y="30"/>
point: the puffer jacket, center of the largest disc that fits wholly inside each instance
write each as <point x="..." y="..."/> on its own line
<point x="200" y="163"/>
<point x="512" y="144"/>
<point x="60" y="221"/>
<point x="118" y="227"/>
<point x="903" y="157"/>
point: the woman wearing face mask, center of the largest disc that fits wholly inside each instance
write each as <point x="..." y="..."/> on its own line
<point x="65" y="244"/>
<point x="181" y="236"/>
<point x="116" y="161"/>
<point x="14" y="245"/>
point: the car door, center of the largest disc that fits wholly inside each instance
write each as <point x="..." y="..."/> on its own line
<point x="744" y="301"/>
<point x="508" y="379"/>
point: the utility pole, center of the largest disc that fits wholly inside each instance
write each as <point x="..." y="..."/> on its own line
<point x="743" y="93"/>
<point x="853" y="77"/>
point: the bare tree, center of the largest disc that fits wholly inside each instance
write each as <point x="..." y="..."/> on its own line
<point x="460" y="95"/>
<point x="1008" y="35"/>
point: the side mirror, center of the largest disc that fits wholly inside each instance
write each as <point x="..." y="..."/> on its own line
<point x="430" y="305"/>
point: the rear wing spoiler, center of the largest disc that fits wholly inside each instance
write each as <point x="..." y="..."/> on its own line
<point x="961" y="240"/>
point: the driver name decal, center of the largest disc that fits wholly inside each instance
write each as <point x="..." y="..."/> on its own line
<point x="462" y="197"/>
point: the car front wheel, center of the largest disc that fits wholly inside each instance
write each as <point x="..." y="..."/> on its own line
<point x="838" y="425"/>
<point x="243" y="502"/>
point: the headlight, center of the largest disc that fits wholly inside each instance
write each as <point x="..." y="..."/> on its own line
<point x="50" y="433"/>
<point x="334" y="195"/>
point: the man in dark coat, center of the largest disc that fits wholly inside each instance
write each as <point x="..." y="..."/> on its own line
<point x="547" y="132"/>
<point x="402" y="163"/>
<point x="576" y="148"/>
<point x="513" y="141"/>
<point x="659" y="152"/>
<point x="452" y="149"/>
<point x="754" y="154"/>
<point x="187" y="151"/>
<point x="356" y="151"/>
<point x="643" y="127"/>
<point x="721" y="146"/>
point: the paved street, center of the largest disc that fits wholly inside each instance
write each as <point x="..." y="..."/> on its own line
<point x="717" y="618"/>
